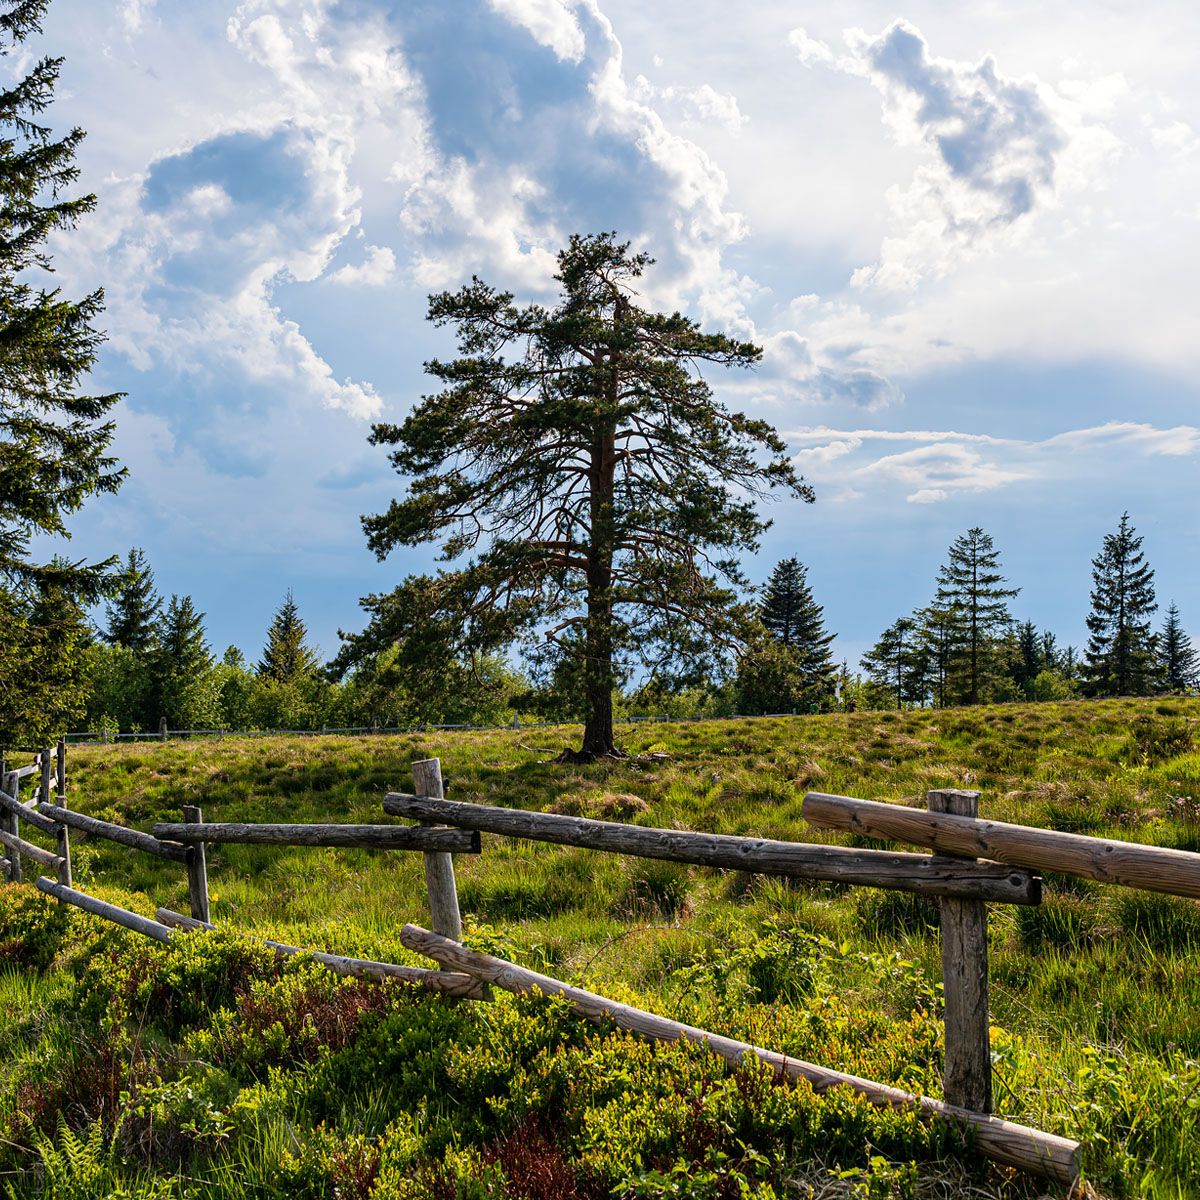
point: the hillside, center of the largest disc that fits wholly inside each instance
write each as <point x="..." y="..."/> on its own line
<point x="231" y="1075"/>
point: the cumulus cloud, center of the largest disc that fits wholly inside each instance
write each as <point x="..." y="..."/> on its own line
<point x="551" y="22"/>
<point x="374" y="271"/>
<point x="702" y="103"/>
<point x="990" y="145"/>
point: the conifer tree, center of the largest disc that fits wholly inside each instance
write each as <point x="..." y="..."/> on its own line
<point x="969" y="589"/>
<point x="937" y="631"/>
<point x="796" y="621"/>
<point x="1178" y="663"/>
<point x="53" y="439"/>
<point x="895" y="661"/>
<point x="183" y="690"/>
<point x="286" y="656"/>
<point x="1121" y="651"/>
<point x="579" y="455"/>
<point x="135" y="607"/>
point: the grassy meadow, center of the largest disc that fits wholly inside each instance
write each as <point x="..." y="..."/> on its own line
<point x="209" y="1070"/>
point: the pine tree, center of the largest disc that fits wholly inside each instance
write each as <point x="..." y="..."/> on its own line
<point x="1027" y="662"/>
<point x="53" y="440"/>
<point x="135" y="607"/>
<point x="183" y="691"/>
<point x="285" y="656"/>
<point x="796" y="621"/>
<point x="937" y="634"/>
<point x="1121" y="651"/>
<point x="1178" y="663"/>
<point x="895" y="662"/>
<point x="579" y="454"/>
<point x="969" y="590"/>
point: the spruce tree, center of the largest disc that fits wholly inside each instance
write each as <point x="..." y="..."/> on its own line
<point x="895" y="662"/>
<point x="1121" y="651"/>
<point x="796" y="621"/>
<point x="53" y="439"/>
<point x="969" y="589"/>
<point x="135" y="607"/>
<point x="1178" y="663"/>
<point x="181" y="667"/>
<point x="285" y="656"/>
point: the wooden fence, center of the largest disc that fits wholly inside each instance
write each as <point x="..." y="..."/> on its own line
<point x="974" y="862"/>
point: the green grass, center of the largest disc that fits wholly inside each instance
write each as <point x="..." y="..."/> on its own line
<point x="1094" y="994"/>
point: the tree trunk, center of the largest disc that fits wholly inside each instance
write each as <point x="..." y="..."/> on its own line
<point x="599" y="669"/>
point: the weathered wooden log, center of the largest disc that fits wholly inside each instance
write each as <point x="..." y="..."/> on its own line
<point x="62" y="835"/>
<point x="101" y="908"/>
<point x="40" y="823"/>
<point x="21" y="846"/>
<point x="967" y="1075"/>
<point x="115" y="833"/>
<point x="25" y="772"/>
<point x="1001" y="1141"/>
<point x="377" y="837"/>
<point x="439" y="868"/>
<point x="1153" y="868"/>
<point x="447" y="982"/>
<point x="10" y="823"/>
<point x="927" y="874"/>
<point x="197" y="868"/>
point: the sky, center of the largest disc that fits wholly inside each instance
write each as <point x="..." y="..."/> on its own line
<point x="966" y="236"/>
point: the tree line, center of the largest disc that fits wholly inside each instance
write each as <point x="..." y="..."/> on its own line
<point x="965" y="646"/>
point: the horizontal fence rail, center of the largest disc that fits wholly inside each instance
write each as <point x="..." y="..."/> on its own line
<point x="375" y="837"/>
<point x="1130" y="864"/>
<point x="922" y="873"/>
<point x="124" y="836"/>
<point x="1002" y="1141"/>
<point x="101" y="908"/>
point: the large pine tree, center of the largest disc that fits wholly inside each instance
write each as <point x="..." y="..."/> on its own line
<point x="53" y="439"/>
<point x="1178" y="663"/>
<point x="970" y="591"/>
<point x="600" y="494"/>
<point x="286" y="656"/>
<point x="1121" y="651"/>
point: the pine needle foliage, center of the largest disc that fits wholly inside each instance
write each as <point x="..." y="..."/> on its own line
<point x="577" y="459"/>
<point x="1178" y="663"/>
<point x="1121" y="649"/>
<point x="134" y="610"/>
<point x="969" y="588"/>
<point x="53" y="439"/>
<point x="287" y="656"/>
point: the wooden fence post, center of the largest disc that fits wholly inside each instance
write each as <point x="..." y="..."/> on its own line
<point x="439" y="868"/>
<point x="197" y="869"/>
<point x="63" y="836"/>
<point x="5" y="784"/>
<point x="12" y="823"/>
<point x="967" y="1078"/>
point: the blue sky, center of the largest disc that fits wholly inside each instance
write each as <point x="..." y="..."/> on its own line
<point x="966" y="236"/>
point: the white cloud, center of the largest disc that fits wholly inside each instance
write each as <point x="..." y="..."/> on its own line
<point x="133" y="13"/>
<point x="943" y="464"/>
<point x="551" y="22"/>
<point x="374" y="271"/>
<point x="703" y="103"/>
